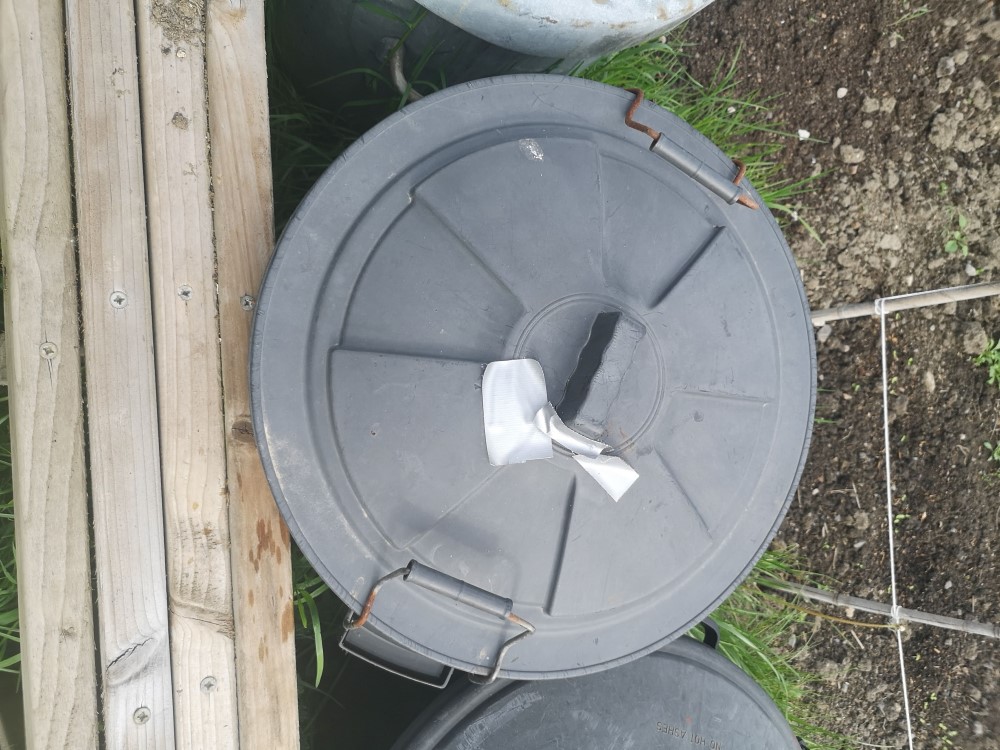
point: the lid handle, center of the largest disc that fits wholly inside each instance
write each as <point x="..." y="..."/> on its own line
<point x="460" y="591"/>
<point x="727" y="189"/>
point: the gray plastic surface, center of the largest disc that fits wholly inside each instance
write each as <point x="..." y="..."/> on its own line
<point x="695" y="169"/>
<point x="458" y="590"/>
<point x="566" y="28"/>
<point x="496" y="220"/>
<point x="685" y="696"/>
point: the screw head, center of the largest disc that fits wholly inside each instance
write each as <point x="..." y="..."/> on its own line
<point x="48" y="350"/>
<point x="118" y="299"/>
<point x="209" y="684"/>
<point x="141" y="715"/>
<point x="184" y="292"/>
<point x="247" y="302"/>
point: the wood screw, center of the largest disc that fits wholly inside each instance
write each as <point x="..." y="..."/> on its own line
<point x="48" y="350"/>
<point x="209" y="684"/>
<point x="141" y="715"/>
<point x="247" y="302"/>
<point x="119" y="300"/>
<point x="184" y="292"/>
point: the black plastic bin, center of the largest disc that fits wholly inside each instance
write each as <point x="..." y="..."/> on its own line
<point x="686" y="695"/>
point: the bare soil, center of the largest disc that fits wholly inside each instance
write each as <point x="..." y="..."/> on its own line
<point x="899" y="101"/>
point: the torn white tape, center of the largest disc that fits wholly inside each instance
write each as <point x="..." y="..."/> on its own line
<point x="513" y="392"/>
<point x="611" y="472"/>
<point x="521" y="425"/>
<point x="552" y="425"/>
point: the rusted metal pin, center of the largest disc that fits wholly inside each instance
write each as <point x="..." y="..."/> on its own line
<point x="741" y="171"/>
<point x="744" y="199"/>
<point x="366" y="610"/>
<point x="639" y="96"/>
<point x="511" y="617"/>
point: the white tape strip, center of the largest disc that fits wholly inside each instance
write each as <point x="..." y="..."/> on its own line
<point x="521" y="425"/>
<point x="552" y="425"/>
<point x="611" y="472"/>
<point x="513" y="392"/>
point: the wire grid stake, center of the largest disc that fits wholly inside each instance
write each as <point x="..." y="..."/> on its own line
<point x="880" y="309"/>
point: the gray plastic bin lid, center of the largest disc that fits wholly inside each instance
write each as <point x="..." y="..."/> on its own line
<point x="497" y="220"/>
<point x="566" y="28"/>
<point x="685" y="696"/>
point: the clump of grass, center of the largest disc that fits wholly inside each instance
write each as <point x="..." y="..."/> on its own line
<point x="10" y="652"/>
<point x="990" y="359"/>
<point x="911" y="15"/>
<point x="994" y="451"/>
<point x="754" y="624"/>
<point x="305" y="139"/>
<point x="955" y="241"/>
<point x="739" y="126"/>
<point x="307" y="588"/>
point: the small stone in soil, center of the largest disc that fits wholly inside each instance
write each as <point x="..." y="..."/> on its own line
<point x="852" y="155"/>
<point x="803" y="134"/>
<point x="890" y="242"/>
<point x="841" y="92"/>
<point x="945" y="67"/>
<point x="944" y="129"/>
<point x="974" y="338"/>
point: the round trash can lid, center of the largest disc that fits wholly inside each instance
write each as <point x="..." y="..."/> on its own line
<point x="566" y="28"/>
<point x="685" y="696"/>
<point x="502" y="219"/>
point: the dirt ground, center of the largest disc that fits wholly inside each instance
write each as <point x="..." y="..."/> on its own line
<point x="900" y="103"/>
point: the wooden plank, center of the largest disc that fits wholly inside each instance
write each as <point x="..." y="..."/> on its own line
<point x="51" y="526"/>
<point x="124" y="452"/>
<point x="241" y="175"/>
<point x="173" y="94"/>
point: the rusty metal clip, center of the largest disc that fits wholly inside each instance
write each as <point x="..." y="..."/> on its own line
<point x="460" y="591"/>
<point x="353" y="623"/>
<point x="630" y="115"/>
<point x="729" y="190"/>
